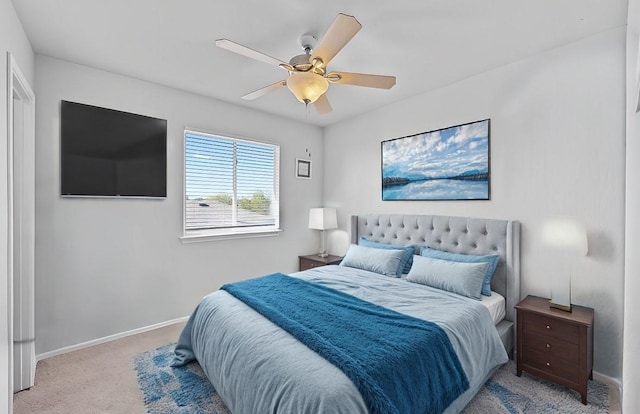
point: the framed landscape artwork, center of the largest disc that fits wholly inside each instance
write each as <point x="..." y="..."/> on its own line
<point x="446" y="164"/>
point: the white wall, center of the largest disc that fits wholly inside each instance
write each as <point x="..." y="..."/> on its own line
<point x="557" y="147"/>
<point x="630" y="373"/>
<point x="106" y="266"/>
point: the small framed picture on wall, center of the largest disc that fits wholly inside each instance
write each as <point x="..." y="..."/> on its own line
<point x="303" y="168"/>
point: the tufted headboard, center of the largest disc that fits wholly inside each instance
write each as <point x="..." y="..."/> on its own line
<point x="453" y="234"/>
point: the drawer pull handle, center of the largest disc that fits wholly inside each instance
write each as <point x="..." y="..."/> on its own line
<point x="548" y="364"/>
<point x="548" y="327"/>
<point x="548" y="346"/>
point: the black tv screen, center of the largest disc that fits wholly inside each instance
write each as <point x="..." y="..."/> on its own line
<point x="109" y="153"/>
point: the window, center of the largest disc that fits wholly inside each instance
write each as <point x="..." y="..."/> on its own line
<point x="231" y="186"/>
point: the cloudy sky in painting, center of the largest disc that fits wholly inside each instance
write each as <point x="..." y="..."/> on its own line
<point x="443" y="153"/>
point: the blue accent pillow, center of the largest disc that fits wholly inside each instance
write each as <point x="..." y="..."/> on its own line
<point x="385" y="262"/>
<point x="407" y="258"/>
<point x="457" y="277"/>
<point x="492" y="259"/>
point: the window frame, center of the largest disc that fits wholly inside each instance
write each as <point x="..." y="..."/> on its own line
<point x="234" y="232"/>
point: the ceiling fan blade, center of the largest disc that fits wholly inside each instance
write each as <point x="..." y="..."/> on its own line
<point x="263" y="91"/>
<point x="248" y="52"/>
<point x="362" y="79"/>
<point x="322" y="104"/>
<point x="342" y="30"/>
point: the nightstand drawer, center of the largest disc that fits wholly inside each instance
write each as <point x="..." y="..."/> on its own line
<point x="551" y="364"/>
<point x="551" y="327"/>
<point x="555" y="348"/>
<point x="309" y="264"/>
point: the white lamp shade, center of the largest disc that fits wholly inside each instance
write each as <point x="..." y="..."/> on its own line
<point x="565" y="234"/>
<point x="567" y="237"/>
<point x="323" y="219"/>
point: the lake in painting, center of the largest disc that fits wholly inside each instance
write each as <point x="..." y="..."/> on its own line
<point x="437" y="190"/>
<point x="446" y="164"/>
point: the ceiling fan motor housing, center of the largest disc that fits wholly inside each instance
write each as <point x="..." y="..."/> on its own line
<point x="300" y="62"/>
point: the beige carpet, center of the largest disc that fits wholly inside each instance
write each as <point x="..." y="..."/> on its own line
<point x="102" y="378"/>
<point x="99" y="379"/>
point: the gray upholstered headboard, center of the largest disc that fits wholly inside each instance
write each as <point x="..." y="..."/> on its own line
<point x="453" y="234"/>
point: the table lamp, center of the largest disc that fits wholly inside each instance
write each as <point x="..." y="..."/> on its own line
<point x="323" y="219"/>
<point x="567" y="237"/>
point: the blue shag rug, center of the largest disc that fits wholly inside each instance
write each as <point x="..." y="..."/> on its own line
<point x="167" y="390"/>
<point x="186" y="390"/>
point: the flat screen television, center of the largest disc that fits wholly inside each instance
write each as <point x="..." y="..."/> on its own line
<point x="109" y="153"/>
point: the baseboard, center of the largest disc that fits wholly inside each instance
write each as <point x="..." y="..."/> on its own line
<point x="613" y="382"/>
<point x="606" y="379"/>
<point x="109" y="338"/>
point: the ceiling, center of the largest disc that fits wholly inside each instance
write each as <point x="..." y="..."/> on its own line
<point x="425" y="44"/>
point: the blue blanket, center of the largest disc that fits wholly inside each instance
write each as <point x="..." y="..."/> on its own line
<point x="400" y="364"/>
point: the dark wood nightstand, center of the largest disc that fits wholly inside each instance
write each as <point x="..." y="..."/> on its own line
<point x="313" y="260"/>
<point x="554" y="344"/>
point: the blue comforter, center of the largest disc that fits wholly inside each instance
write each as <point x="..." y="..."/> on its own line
<point x="387" y="355"/>
<point x="257" y="367"/>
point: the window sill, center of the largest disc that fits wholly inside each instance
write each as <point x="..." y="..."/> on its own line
<point x="196" y="236"/>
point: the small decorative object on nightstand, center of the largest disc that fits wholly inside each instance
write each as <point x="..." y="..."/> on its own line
<point x="554" y="344"/>
<point x="313" y="260"/>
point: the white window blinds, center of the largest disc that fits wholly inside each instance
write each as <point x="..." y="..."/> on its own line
<point x="230" y="182"/>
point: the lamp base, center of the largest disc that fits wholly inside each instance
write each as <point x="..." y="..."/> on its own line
<point x="566" y="308"/>
<point x="323" y="254"/>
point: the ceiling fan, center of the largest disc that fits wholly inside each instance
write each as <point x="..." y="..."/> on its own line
<point x="308" y="78"/>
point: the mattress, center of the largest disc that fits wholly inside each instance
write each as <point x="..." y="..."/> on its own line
<point x="496" y="306"/>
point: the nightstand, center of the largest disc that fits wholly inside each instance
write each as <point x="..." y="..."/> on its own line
<point x="554" y="344"/>
<point x="313" y="260"/>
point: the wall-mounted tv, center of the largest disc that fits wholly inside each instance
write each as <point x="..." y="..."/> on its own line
<point x="109" y="153"/>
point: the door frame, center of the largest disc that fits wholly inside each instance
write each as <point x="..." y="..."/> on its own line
<point x="21" y="235"/>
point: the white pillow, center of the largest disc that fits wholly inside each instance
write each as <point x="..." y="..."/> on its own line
<point x="381" y="261"/>
<point x="462" y="278"/>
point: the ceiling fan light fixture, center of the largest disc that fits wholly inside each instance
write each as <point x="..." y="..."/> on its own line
<point x="307" y="87"/>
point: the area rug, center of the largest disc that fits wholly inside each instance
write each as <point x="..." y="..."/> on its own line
<point x="183" y="390"/>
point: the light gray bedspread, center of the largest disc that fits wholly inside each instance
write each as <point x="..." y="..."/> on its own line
<point x="256" y="367"/>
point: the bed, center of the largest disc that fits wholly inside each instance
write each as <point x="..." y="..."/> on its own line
<point x="257" y="366"/>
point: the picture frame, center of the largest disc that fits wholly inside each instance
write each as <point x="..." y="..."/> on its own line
<point x="450" y="163"/>
<point x="303" y="168"/>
